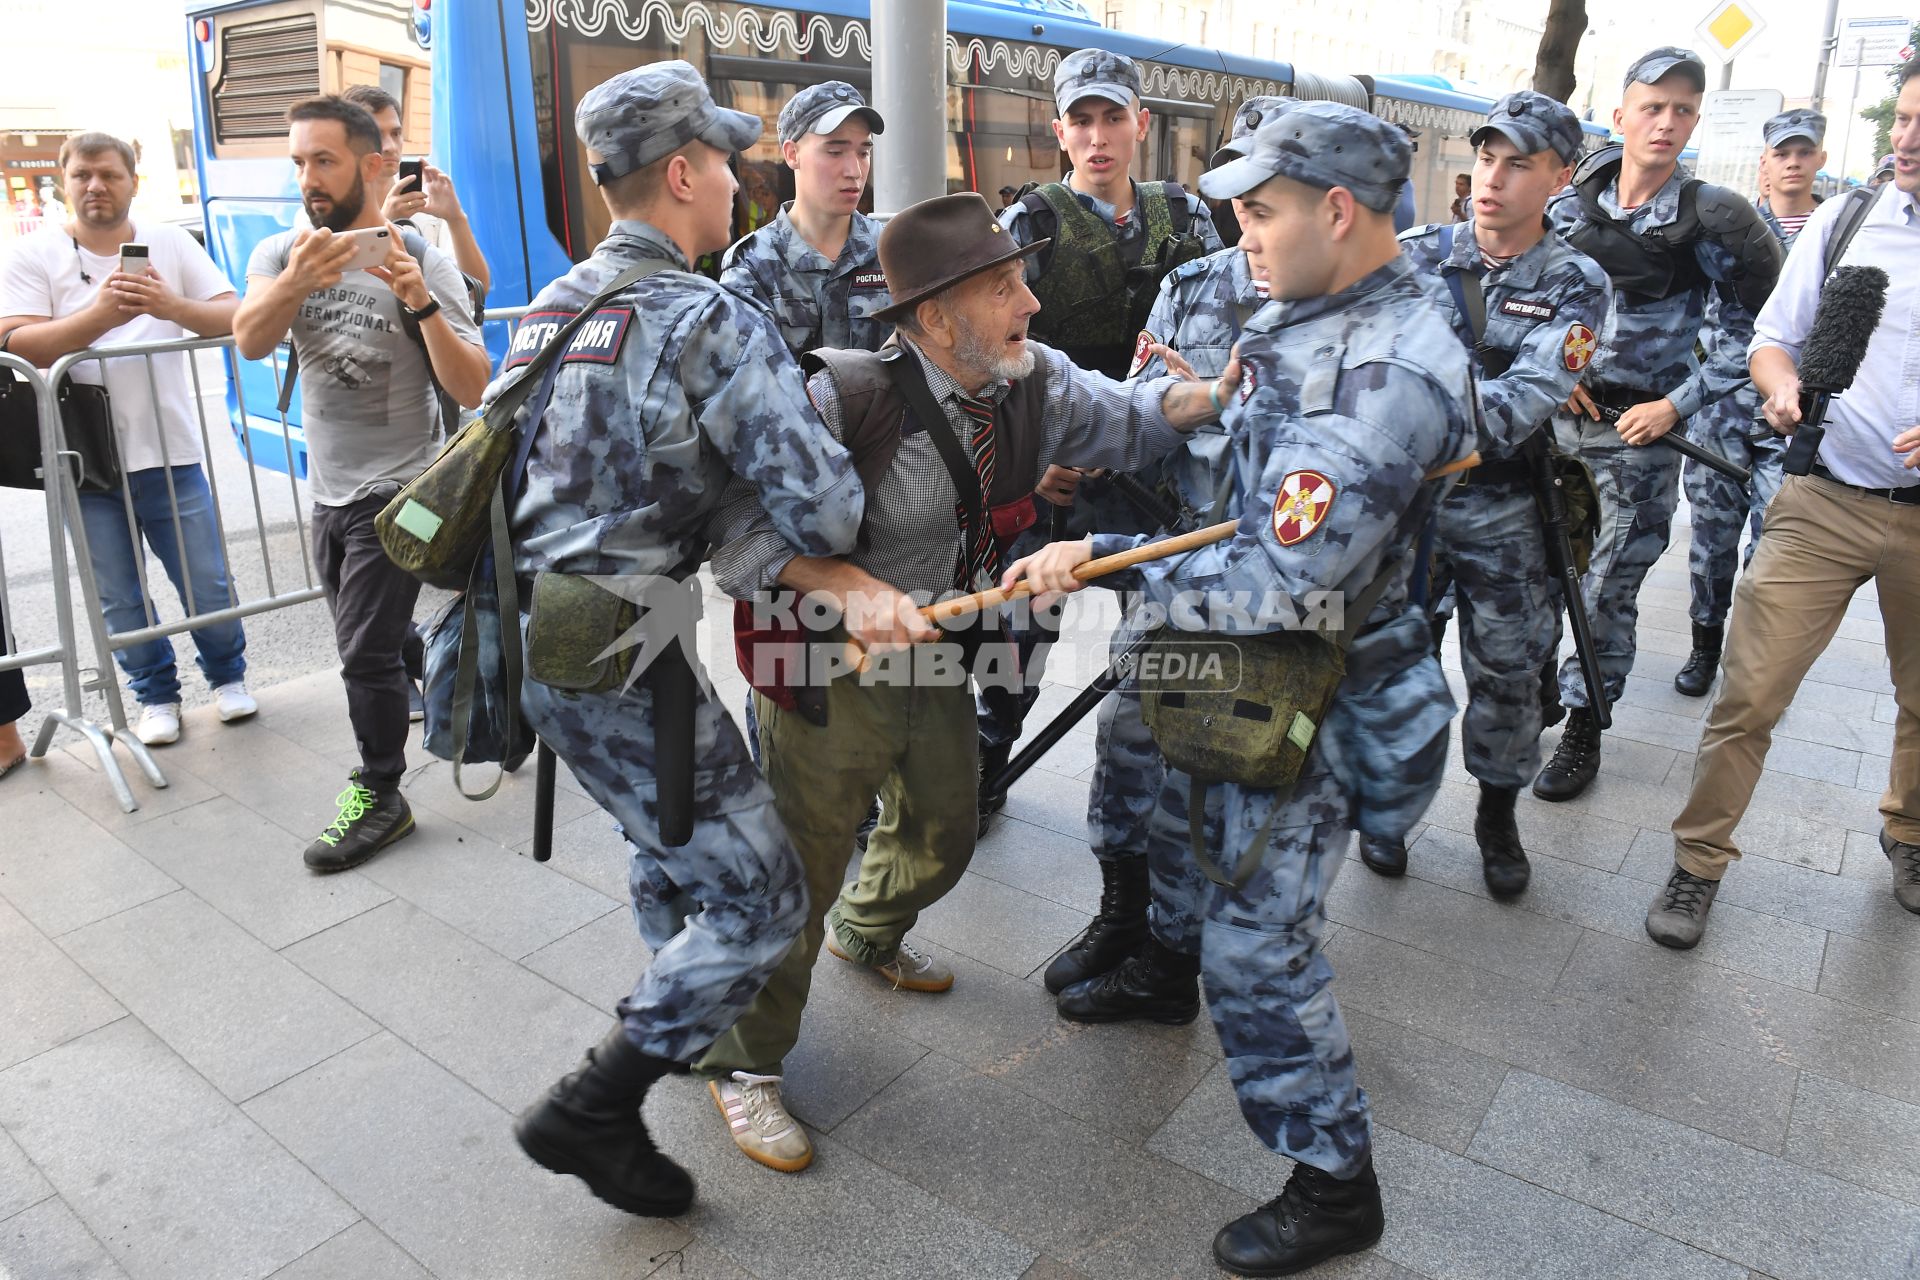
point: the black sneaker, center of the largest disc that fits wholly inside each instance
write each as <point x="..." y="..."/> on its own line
<point x="369" y="821"/>
<point x="1316" y="1217"/>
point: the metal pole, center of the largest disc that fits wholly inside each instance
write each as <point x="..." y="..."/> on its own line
<point x="1726" y="74"/>
<point x="910" y="90"/>
<point x="1853" y="103"/>
<point x="1829" y="42"/>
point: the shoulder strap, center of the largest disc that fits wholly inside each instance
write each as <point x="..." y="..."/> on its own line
<point x="1465" y="287"/>
<point x="1178" y="212"/>
<point x="904" y="368"/>
<point x="1860" y="202"/>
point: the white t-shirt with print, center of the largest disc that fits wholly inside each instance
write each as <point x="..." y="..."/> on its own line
<point x="41" y="276"/>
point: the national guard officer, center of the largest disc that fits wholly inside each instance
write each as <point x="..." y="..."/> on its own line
<point x="1541" y="303"/>
<point x="816" y="266"/>
<point x="1110" y="241"/>
<point x="675" y="387"/>
<point x="1732" y="426"/>
<point x="1354" y="388"/>
<point x="1202" y="308"/>
<point x="1667" y="241"/>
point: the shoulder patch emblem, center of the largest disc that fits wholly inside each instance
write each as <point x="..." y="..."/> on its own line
<point x="1301" y="506"/>
<point x="599" y="337"/>
<point x="1578" y="349"/>
<point x="1142" y="349"/>
<point x="531" y="336"/>
<point x="1526" y="310"/>
<point x="870" y="280"/>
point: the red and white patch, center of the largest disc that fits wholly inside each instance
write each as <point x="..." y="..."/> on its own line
<point x="1301" y="506"/>
<point x="1579" y="347"/>
<point x="1142" y="349"/>
<point x="1246" y="381"/>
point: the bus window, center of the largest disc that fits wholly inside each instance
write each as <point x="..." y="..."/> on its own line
<point x="259" y="68"/>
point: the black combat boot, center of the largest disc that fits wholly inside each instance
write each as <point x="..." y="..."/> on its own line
<point x="1116" y="932"/>
<point x="1551" y="712"/>
<point x="1316" y="1217"/>
<point x="1502" y="861"/>
<point x="1575" y="761"/>
<point x="1388" y="857"/>
<point x="589" y="1126"/>
<point x="1697" y="676"/>
<point x="993" y="758"/>
<point x="1155" y="983"/>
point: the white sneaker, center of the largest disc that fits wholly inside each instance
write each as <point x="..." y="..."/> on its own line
<point x="234" y="701"/>
<point x="159" y="724"/>
<point x="761" y="1125"/>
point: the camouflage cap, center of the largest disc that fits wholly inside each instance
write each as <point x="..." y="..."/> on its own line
<point x="1801" y="122"/>
<point x="1096" y="73"/>
<point x="1533" y="122"/>
<point x="1323" y="144"/>
<point x="1253" y="113"/>
<point x="1655" y="65"/>
<point x="647" y="113"/>
<point x="822" y="108"/>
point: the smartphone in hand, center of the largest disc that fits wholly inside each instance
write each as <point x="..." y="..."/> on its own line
<point x="133" y="259"/>
<point x="369" y="247"/>
<point x="415" y="169"/>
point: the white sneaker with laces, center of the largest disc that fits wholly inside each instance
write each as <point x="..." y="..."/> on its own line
<point x="760" y="1122"/>
<point x="910" y="968"/>
<point x="159" y="724"/>
<point x="234" y="702"/>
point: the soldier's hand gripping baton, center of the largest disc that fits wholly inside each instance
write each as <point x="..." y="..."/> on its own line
<point x="1560" y="563"/>
<point x="1677" y="441"/>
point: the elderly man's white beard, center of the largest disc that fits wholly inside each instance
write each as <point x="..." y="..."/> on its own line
<point x="974" y="351"/>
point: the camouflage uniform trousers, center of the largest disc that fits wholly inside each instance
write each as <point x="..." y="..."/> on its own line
<point x="1490" y="553"/>
<point x="1267" y="984"/>
<point x="1639" y="492"/>
<point x="1722" y="506"/>
<point x="719" y="912"/>
<point x="1127" y="767"/>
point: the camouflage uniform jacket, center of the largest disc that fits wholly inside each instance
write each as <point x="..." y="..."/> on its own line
<point x="815" y="302"/>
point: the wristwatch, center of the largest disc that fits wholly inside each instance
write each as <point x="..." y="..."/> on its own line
<point x="433" y="306"/>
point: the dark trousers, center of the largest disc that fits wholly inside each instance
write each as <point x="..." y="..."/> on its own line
<point x="372" y="602"/>
<point x="13" y="685"/>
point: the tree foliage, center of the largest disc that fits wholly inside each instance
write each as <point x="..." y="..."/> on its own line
<point x="1880" y="114"/>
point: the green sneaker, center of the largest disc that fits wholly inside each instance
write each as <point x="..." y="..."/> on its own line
<point x="369" y="821"/>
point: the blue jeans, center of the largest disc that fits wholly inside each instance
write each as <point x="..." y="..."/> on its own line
<point x="115" y="548"/>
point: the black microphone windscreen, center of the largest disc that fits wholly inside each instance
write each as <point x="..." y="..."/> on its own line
<point x="1850" y="306"/>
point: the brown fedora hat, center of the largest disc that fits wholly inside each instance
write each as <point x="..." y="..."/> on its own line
<point x="938" y="243"/>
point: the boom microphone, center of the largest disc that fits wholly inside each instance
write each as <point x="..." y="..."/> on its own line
<point x="1850" y="306"/>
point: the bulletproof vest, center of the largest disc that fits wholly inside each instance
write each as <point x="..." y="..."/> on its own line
<point x="873" y="411"/>
<point x="1097" y="289"/>
<point x="1658" y="263"/>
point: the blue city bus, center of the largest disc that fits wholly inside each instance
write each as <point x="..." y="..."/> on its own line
<point x="505" y="75"/>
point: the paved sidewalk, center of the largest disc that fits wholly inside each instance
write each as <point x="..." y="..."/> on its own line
<point x="214" y="1065"/>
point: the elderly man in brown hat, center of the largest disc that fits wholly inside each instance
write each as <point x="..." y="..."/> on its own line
<point x="950" y="426"/>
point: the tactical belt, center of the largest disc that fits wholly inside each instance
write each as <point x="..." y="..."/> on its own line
<point x="1906" y="496"/>
<point x="1499" y="471"/>
<point x="1620" y="399"/>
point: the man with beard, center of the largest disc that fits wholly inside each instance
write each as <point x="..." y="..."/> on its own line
<point x="62" y="291"/>
<point x="371" y="346"/>
<point x="428" y="204"/>
<point x="961" y="366"/>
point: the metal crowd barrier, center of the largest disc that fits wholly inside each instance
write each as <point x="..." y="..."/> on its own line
<point x="63" y="520"/>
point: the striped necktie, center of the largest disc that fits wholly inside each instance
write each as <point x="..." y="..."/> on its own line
<point x="982" y="554"/>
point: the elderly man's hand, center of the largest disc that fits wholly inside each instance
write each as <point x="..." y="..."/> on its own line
<point x="1049" y="571"/>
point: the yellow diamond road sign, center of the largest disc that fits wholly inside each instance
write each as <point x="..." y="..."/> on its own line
<point x="1729" y="27"/>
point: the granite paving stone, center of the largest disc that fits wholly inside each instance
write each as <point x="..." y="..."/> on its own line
<point x="1544" y="828"/>
<point x="1861" y="1137"/>
<point x="360" y="1252"/>
<point x="502" y="1029"/>
<point x="20" y="1183"/>
<point x="1058" y="1186"/>
<point x="169" y="1175"/>
<point x="47" y="1242"/>
<point x="1873" y="976"/>
<point x="1040" y="861"/>
<point x="1008" y="928"/>
<point x="48" y="998"/>
<point x="449" y="1172"/>
<point x="1756" y="1209"/>
<point x="241" y="1015"/>
<point x="1566" y="1038"/>
<point x="62" y="871"/>
<point x="591" y="851"/>
<point x="250" y="871"/>
<point x="598" y="962"/>
<point x="1765" y="945"/>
